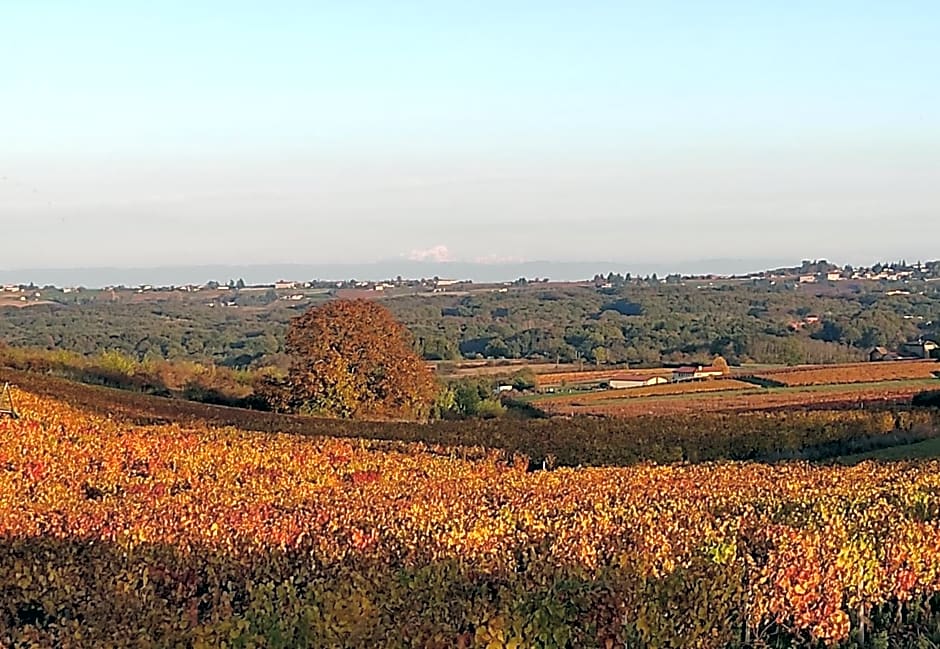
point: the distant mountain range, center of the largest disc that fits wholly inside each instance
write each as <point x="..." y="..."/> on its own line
<point x="477" y="272"/>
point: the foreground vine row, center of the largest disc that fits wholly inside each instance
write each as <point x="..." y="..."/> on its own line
<point x="164" y="536"/>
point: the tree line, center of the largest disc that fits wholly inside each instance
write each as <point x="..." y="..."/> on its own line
<point x="644" y="324"/>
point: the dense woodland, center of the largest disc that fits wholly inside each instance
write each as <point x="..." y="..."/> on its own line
<point x="640" y="322"/>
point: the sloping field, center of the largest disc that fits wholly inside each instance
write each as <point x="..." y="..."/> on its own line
<point x="687" y="387"/>
<point x="161" y="536"/>
<point x="853" y="373"/>
<point x="838" y="396"/>
<point x="499" y="368"/>
<point x="594" y="376"/>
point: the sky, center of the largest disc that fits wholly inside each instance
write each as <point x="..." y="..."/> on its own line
<point x="153" y="134"/>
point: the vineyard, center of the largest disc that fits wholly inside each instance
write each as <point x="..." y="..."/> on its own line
<point x="684" y="387"/>
<point x="552" y="376"/>
<point x="695" y="433"/>
<point x="172" y="536"/>
<point x="853" y="373"/>
<point x="620" y="404"/>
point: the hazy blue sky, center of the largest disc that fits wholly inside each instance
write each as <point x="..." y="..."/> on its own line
<point x="167" y="132"/>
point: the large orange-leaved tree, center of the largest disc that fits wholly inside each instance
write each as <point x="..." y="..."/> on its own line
<point x="352" y="359"/>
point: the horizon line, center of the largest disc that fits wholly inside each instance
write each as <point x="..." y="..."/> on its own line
<point x="434" y="262"/>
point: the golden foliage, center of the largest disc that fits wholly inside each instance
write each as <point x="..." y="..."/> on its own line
<point x="350" y="358"/>
<point x="720" y="363"/>
<point x="167" y="536"/>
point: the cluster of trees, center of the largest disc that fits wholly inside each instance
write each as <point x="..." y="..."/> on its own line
<point x="149" y="331"/>
<point x="352" y="359"/>
<point x="347" y="359"/>
<point x="651" y="325"/>
<point x="617" y="320"/>
<point x="476" y="396"/>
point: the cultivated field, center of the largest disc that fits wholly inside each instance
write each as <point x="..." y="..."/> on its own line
<point x="553" y="375"/>
<point x="686" y="387"/>
<point x="496" y="368"/>
<point x="550" y="374"/>
<point x="853" y="373"/>
<point x="594" y="376"/>
<point x="847" y="385"/>
<point x="167" y="535"/>
<point x="711" y="396"/>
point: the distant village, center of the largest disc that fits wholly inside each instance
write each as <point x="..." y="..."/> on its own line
<point x="822" y="271"/>
<point x="896" y="278"/>
<point x="810" y="272"/>
<point x="236" y="293"/>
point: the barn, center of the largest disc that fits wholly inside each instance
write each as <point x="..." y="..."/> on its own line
<point x="621" y="381"/>
<point x="696" y="373"/>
